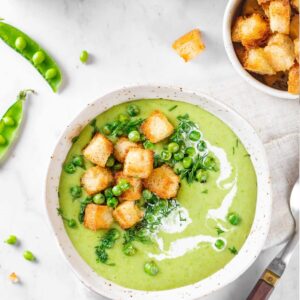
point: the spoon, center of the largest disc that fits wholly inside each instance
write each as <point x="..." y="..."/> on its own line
<point x="266" y="284"/>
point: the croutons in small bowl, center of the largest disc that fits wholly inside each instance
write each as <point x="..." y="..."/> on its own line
<point x="261" y="38"/>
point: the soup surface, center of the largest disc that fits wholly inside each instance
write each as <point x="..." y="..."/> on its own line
<point x="201" y="233"/>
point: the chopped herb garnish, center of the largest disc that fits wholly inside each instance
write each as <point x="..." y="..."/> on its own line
<point x="237" y="142"/>
<point x="106" y="242"/>
<point x="83" y="204"/>
<point x="219" y="230"/>
<point x="233" y="150"/>
<point x="94" y="126"/>
<point x="71" y="222"/>
<point x="74" y="139"/>
<point x="205" y="191"/>
<point x="233" y="250"/>
<point x="173" y="107"/>
<point x="247" y="155"/>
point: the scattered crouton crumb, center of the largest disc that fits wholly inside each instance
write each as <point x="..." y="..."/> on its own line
<point x="13" y="278"/>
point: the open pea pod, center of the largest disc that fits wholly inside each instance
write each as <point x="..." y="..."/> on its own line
<point x="10" y="124"/>
<point x="33" y="52"/>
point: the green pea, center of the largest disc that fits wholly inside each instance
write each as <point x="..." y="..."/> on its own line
<point x="11" y="240"/>
<point x="20" y="43"/>
<point x="134" y="136"/>
<point x="187" y="162"/>
<point x="116" y="190"/>
<point x="151" y="268"/>
<point x="110" y="162"/>
<point x="234" y="219"/>
<point x="38" y="57"/>
<point x="50" y="73"/>
<point x="123" y="118"/>
<point x="133" y="110"/>
<point x="190" y="151"/>
<point x="210" y="163"/>
<point x="148" y="145"/>
<point x="72" y="223"/>
<point x="124" y="184"/>
<point x="2" y="140"/>
<point x="129" y="249"/>
<point x="108" y="193"/>
<point x="166" y="155"/>
<point x="201" y="146"/>
<point x="194" y="135"/>
<point x="117" y="166"/>
<point x="178" y="156"/>
<point x="147" y="195"/>
<point x="78" y="161"/>
<point x="143" y="138"/>
<point x="178" y="167"/>
<point x="76" y="191"/>
<point x="84" y="56"/>
<point x="70" y="168"/>
<point x="8" y="121"/>
<point x="219" y="244"/>
<point x="98" y="198"/>
<point x="28" y="255"/>
<point x="173" y="147"/>
<point x="112" y="202"/>
<point x="202" y="176"/>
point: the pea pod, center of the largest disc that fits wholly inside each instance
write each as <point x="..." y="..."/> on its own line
<point x="10" y="124"/>
<point x="33" y="52"/>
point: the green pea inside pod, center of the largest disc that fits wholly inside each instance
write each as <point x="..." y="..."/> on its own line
<point x="50" y="73"/>
<point x="20" y="43"/>
<point x="2" y="140"/>
<point x="38" y="57"/>
<point x="8" y="121"/>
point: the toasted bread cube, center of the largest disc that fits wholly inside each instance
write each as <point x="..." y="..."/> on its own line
<point x="98" y="217"/>
<point x="135" y="190"/>
<point x="241" y="52"/>
<point x="98" y="150"/>
<point x="163" y="182"/>
<point x="250" y="7"/>
<point x="265" y="7"/>
<point x="293" y="82"/>
<point x="138" y="163"/>
<point x="295" y="4"/>
<point x="122" y="147"/>
<point x="277" y="81"/>
<point x="279" y="16"/>
<point x="96" y="179"/>
<point x="257" y="62"/>
<point x="251" y="31"/>
<point x="157" y="127"/>
<point x="13" y="277"/>
<point x="296" y="48"/>
<point x="260" y="2"/>
<point x="189" y="45"/>
<point x="280" y="52"/>
<point x="294" y="27"/>
<point x="127" y="214"/>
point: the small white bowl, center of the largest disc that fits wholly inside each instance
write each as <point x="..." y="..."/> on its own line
<point x="229" y="16"/>
<point x="247" y="254"/>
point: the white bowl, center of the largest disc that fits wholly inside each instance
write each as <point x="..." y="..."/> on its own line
<point x="235" y="267"/>
<point x="229" y="16"/>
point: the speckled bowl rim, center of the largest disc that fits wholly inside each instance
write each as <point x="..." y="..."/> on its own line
<point x="229" y="14"/>
<point x="247" y="254"/>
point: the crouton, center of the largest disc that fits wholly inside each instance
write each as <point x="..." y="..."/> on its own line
<point x="277" y="81"/>
<point x="241" y="52"/>
<point x="296" y="49"/>
<point x="189" y="45"/>
<point x="98" y="217"/>
<point x="135" y="190"/>
<point x="138" y="163"/>
<point x="13" y="277"/>
<point x="98" y="150"/>
<point x="157" y="127"/>
<point x="265" y="7"/>
<point x="122" y="147"/>
<point x="294" y="27"/>
<point x="250" y="7"/>
<point x="279" y="16"/>
<point x="293" y="82"/>
<point x="260" y="2"/>
<point x="257" y="62"/>
<point x="163" y="182"/>
<point x="96" y="179"/>
<point x="127" y="214"/>
<point x="280" y="52"/>
<point x="295" y="4"/>
<point x="251" y="31"/>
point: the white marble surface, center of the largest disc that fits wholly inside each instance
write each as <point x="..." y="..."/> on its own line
<point x="130" y="44"/>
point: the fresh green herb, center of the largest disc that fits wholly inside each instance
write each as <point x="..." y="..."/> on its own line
<point x="205" y="191"/>
<point x="93" y="124"/>
<point x="233" y="150"/>
<point x="219" y="230"/>
<point x="83" y="204"/>
<point x="173" y="107"/>
<point x="11" y="240"/>
<point x="237" y="143"/>
<point x="33" y="52"/>
<point x="70" y="222"/>
<point x="247" y="155"/>
<point x="75" y="139"/>
<point x="10" y="123"/>
<point x="106" y="242"/>
<point x="233" y="250"/>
